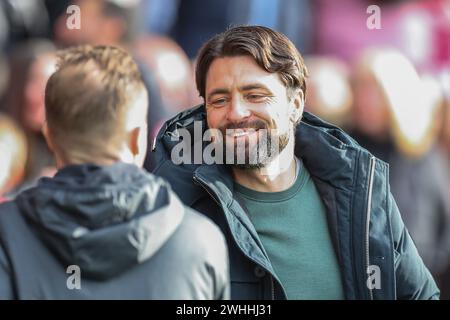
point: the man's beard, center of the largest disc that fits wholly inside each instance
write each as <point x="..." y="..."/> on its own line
<point x="256" y="154"/>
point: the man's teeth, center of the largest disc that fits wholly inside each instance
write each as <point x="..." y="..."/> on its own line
<point x="240" y="133"/>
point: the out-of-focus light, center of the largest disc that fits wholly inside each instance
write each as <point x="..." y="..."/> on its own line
<point x="329" y="94"/>
<point x="8" y="148"/>
<point x="446" y="9"/>
<point x="332" y="91"/>
<point x="444" y="79"/>
<point x="411" y="101"/>
<point x="171" y="68"/>
<point x="417" y="37"/>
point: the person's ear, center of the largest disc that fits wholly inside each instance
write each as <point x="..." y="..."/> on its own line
<point x="137" y="144"/>
<point x="298" y="103"/>
<point x="133" y="141"/>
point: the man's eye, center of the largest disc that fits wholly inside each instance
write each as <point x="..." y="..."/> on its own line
<point x="218" y="102"/>
<point x="256" y="97"/>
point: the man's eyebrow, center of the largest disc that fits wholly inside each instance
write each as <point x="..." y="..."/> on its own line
<point x="218" y="91"/>
<point x="253" y="86"/>
<point x="247" y="87"/>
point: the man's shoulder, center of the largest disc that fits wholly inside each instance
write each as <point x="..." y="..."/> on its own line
<point x="8" y="209"/>
<point x="180" y="178"/>
<point x="12" y="222"/>
<point x="199" y="245"/>
<point x="201" y="231"/>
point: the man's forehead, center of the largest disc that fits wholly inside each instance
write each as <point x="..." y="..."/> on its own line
<point x="241" y="72"/>
<point x="236" y="65"/>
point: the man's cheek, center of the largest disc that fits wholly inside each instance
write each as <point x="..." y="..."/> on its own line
<point x="215" y="119"/>
<point x="210" y="121"/>
<point x="280" y="122"/>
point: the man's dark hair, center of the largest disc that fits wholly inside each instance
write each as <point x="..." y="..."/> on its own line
<point x="271" y="50"/>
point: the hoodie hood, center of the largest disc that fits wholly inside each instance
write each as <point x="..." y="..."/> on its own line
<point x="105" y="219"/>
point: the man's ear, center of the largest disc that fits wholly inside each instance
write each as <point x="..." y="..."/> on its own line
<point x="298" y="102"/>
<point x="133" y="141"/>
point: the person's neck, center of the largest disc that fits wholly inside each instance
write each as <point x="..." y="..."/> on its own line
<point x="278" y="175"/>
<point x="100" y="161"/>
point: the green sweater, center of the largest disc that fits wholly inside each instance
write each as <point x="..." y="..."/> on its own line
<point x="293" y="228"/>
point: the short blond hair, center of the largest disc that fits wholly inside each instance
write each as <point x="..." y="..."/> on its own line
<point x="88" y="97"/>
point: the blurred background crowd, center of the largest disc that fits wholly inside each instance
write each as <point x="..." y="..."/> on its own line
<point x="388" y="87"/>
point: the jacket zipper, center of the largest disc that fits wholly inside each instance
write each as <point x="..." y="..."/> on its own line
<point x="273" y="288"/>
<point x="369" y="205"/>
<point x="235" y="241"/>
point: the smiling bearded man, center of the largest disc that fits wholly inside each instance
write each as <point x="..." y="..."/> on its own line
<point x="312" y="218"/>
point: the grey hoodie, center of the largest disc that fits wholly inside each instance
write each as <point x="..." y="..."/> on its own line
<point x="112" y="232"/>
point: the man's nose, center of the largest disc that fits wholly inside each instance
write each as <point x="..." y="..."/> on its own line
<point x="238" y="110"/>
